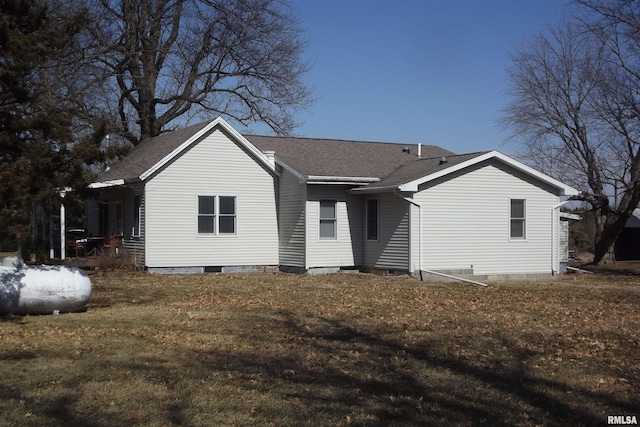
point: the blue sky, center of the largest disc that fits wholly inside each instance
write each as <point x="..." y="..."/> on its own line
<point x="409" y="71"/>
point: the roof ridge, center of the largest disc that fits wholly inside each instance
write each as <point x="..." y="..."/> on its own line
<point x="248" y="136"/>
<point x="473" y="153"/>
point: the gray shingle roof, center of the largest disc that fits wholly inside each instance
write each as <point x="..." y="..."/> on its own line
<point x="419" y="168"/>
<point x="319" y="159"/>
<point x="149" y="152"/>
<point x="309" y="156"/>
<point x="330" y="157"/>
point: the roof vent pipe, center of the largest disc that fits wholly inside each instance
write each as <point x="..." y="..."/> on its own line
<point x="443" y="160"/>
<point x="419" y="150"/>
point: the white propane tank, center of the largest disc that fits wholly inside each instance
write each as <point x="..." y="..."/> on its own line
<point x="42" y="289"/>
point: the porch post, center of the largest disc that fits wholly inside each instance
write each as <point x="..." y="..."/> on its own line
<point x="63" y="234"/>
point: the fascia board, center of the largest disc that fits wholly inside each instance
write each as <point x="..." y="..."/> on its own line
<point x="566" y="190"/>
<point x="321" y="179"/>
<point x="105" y="184"/>
<point x="386" y="189"/>
<point x="412" y="186"/>
<point x="219" y="121"/>
<point x="336" y="183"/>
<point x="340" y="179"/>
<point x="301" y="177"/>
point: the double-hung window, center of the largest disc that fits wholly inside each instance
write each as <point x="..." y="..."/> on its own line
<point x="216" y="215"/>
<point x="227" y="216"/>
<point x="372" y="219"/>
<point x="328" y="220"/>
<point x="518" y="219"/>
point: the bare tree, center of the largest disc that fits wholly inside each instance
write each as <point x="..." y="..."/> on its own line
<point x="161" y="62"/>
<point x="576" y="104"/>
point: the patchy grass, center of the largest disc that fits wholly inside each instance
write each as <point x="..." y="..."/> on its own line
<point x="288" y="350"/>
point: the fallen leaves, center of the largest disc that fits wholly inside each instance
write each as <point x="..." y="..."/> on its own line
<point x="334" y="350"/>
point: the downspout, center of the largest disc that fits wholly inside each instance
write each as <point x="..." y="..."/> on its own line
<point x="419" y="206"/>
<point x="555" y="237"/>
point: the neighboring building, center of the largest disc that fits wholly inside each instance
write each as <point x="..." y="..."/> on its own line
<point x="206" y="198"/>
<point x="627" y="246"/>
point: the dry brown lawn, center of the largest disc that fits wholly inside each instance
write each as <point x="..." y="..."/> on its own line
<point x="362" y="350"/>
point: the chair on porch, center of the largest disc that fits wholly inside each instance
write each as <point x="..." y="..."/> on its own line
<point x="114" y="243"/>
<point x="80" y="248"/>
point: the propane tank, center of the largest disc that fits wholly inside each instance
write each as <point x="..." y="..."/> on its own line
<point x="41" y="289"/>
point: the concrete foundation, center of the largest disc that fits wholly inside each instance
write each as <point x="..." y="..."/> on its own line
<point x="233" y="269"/>
<point x="483" y="278"/>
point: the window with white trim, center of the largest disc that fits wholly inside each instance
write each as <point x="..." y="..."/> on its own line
<point x="328" y="220"/>
<point x="227" y="216"/>
<point x="372" y="219"/>
<point x="216" y="215"/>
<point x="518" y="219"/>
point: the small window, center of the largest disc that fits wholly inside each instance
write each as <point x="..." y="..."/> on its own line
<point x="328" y="219"/>
<point x="372" y="219"/>
<point x="206" y="214"/>
<point x="518" y="219"/>
<point x="227" y="216"/>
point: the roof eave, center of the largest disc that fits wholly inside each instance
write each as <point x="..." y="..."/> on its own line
<point x="565" y="190"/>
<point x="384" y="189"/>
<point x="325" y="179"/>
<point x="352" y="180"/>
<point x="105" y="184"/>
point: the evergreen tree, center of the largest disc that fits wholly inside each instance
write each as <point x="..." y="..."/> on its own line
<point x="36" y="158"/>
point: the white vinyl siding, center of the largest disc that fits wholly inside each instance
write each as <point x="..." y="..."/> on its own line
<point x="478" y="236"/>
<point x="346" y="249"/>
<point x="414" y="239"/>
<point x="391" y="250"/>
<point x="292" y="220"/>
<point x="215" y="165"/>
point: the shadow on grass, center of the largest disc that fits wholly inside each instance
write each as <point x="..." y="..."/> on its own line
<point x="12" y="318"/>
<point x="321" y="371"/>
<point x="620" y="268"/>
<point x="396" y="384"/>
<point x="58" y="411"/>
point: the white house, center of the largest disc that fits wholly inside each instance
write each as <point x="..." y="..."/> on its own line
<point x="206" y="198"/>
